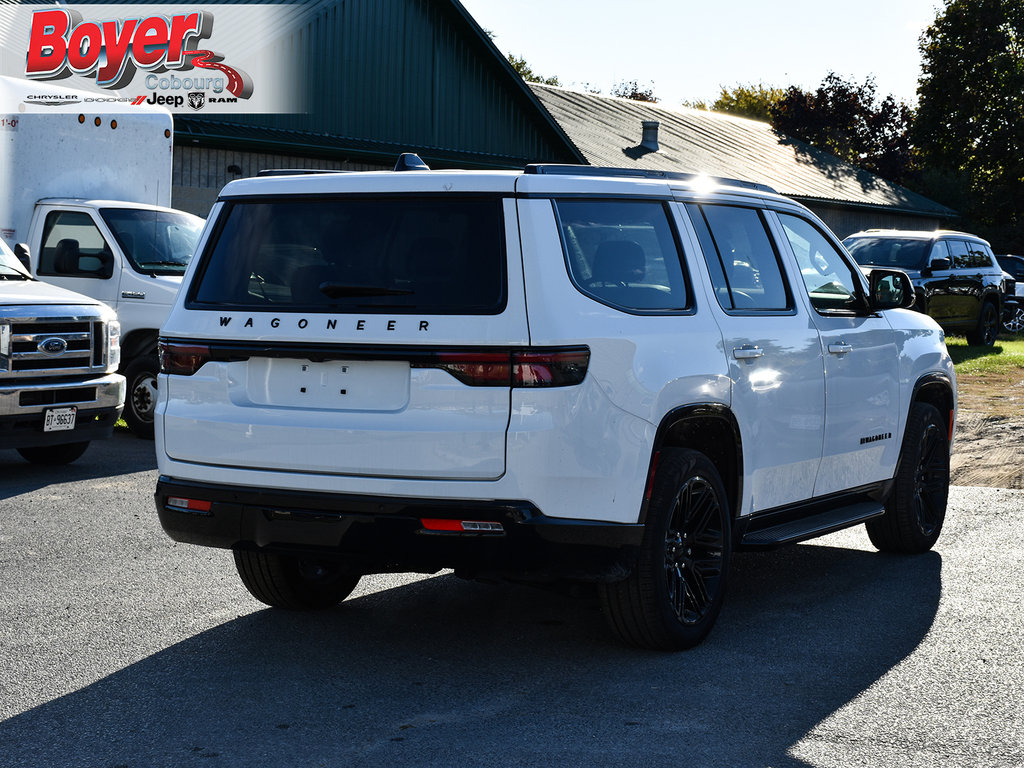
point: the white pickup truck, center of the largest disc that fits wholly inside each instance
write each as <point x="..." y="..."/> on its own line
<point x="59" y="353"/>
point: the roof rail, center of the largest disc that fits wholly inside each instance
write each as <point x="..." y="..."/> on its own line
<point x="639" y="173"/>
<point x="294" y="171"/>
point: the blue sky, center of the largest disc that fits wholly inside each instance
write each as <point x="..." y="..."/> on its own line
<point x="689" y="49"/>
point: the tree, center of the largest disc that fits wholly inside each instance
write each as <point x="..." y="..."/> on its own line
<point x="629" y="89"/>
<point x="753" y="101"/>
<point x="847" y="120"/>
<point x="970" y="119"/>
<point x="520" y="66"/>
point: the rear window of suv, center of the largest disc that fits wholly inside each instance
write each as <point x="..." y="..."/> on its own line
<point x="891" y="252"/>
<point x="428" y="255"/>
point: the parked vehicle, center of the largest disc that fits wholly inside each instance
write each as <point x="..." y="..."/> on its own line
<point x="58" y="360"/>
<point x="84" y="187"/>
<point x="1013" y="314"/>
<point x="563" y="373"/>
<point x="955" y="275"/>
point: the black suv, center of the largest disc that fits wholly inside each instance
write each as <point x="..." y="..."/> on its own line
<point x="956" y="278"/>
<point x="1013" y="309"/>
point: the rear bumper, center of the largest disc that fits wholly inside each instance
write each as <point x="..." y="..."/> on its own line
<point x="386" y="534"/>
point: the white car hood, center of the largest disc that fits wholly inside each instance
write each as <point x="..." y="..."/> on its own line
<point x="36" y="292"/>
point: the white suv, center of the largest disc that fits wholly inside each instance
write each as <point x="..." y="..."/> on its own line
<point x="563" y="373"/>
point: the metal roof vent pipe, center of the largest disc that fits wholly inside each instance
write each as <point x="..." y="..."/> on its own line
<point x="650" y="135"/>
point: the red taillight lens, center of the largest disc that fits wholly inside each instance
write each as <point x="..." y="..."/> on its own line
<point x="182" y="359"/>
<point x="477" y="369"/>
<point x="550" y="368"/>
<point x="558" y="367"/>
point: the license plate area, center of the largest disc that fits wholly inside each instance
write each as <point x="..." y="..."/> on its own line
<point x="59" y="419"/>
<point x="362" y="385"/>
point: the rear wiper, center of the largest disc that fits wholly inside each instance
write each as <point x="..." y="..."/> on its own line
<point x="339" y="290"/>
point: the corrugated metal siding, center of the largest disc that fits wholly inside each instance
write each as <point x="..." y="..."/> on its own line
<point x="407" y="74"/>
<point x="199" y="173"/>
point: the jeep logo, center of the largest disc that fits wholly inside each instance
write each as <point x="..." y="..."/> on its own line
<point x="54" y="346"/>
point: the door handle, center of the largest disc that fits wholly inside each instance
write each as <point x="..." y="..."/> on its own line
<point x="747" y="353"/>
<point x="841" y="348"/>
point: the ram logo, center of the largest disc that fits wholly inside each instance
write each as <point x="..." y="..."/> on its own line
<point x="53" y="346"/>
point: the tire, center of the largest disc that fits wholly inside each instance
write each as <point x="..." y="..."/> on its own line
<point x="1015" y="323"/>
<point x="988" y="327"/>
<point x="299" y="584"/>
<point x="916" y="507"/>
<point x="54" y="454"/>
<point x="672" y="598"/>
<point x="140" y="401"/>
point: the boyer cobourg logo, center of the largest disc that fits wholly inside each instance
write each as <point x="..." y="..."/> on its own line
<point x="114" y="51"/>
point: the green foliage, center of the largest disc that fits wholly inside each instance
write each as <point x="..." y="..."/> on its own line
<point x="848" y="120"/>
<point x="970" y="121"/>
<point x="630" y="89"/>
<point x="523" y="69"/>
<point x="752" y="101"/>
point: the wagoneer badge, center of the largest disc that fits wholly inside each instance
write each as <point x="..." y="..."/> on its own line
<point x="53" y="346"/>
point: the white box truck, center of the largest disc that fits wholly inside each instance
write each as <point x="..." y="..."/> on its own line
<point x="85" y="190"/>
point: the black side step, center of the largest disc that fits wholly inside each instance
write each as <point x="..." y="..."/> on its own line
<point x="768" y="532"/>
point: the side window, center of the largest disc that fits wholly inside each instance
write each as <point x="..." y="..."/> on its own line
<point x="744" y="267"/>
<point x="73" y="247"/>
<point x="981" y="256"/>
<point x="829" y="279"/>
<point x="940" y="250"/>
<point x="961" y="256"/>
<point x="623" y="253"/>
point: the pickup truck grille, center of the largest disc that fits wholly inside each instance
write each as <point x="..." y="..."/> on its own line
<point x="47" y="346"/>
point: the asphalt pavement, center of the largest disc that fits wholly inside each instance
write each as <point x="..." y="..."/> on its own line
<point x="120" y="648"/>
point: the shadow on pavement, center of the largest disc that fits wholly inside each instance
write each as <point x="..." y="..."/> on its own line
<point x="448" y="673"/>
<point x="122" y="454"/>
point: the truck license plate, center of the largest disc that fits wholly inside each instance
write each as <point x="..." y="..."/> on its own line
<point x="59" y="419"/>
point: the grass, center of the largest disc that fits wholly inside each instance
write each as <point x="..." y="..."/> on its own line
<point x="1006" y="357"/>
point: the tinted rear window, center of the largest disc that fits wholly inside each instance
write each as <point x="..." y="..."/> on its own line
<point x="424" y="255"/>
<point x="894" y="252"/>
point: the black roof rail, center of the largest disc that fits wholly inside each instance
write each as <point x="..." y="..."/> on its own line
<point x="294" y="171"/>
<point x="639" y="173"/>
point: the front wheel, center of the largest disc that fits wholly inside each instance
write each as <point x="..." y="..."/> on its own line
<point x="295" y="583"/>
<point x="54" y="454"/>
<point x="1015" y="322"/>
<point x="672" y="598"/>
<point x="140" y="403"/>
<point x="916" y="507"/>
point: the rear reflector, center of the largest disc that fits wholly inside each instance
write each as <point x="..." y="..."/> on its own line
<point x="461" y="526"/>
<point x="198" y="506"/>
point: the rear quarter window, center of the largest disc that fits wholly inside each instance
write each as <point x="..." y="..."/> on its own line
<point x="624" y="253"/>
<point x="432" y="255"/>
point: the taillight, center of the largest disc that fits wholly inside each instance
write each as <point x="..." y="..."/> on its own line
<point x="556" y="367"/>
<point x="196" y="506"/>
<point x="182" y="359"/>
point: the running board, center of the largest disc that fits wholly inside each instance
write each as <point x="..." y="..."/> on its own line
<point x="768" y="532"/>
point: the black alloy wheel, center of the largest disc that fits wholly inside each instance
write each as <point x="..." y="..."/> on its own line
<point x="673" y="596"/>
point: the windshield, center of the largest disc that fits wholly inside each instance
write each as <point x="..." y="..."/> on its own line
<point x="154" y="242"/>
<point x="10" y="267"/>
<point x="894" y="252"/>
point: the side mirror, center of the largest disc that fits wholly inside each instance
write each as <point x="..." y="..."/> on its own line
<point x="941" y="263"/>
<point x="22" y="252"/>
<point x="890" y="289"/>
